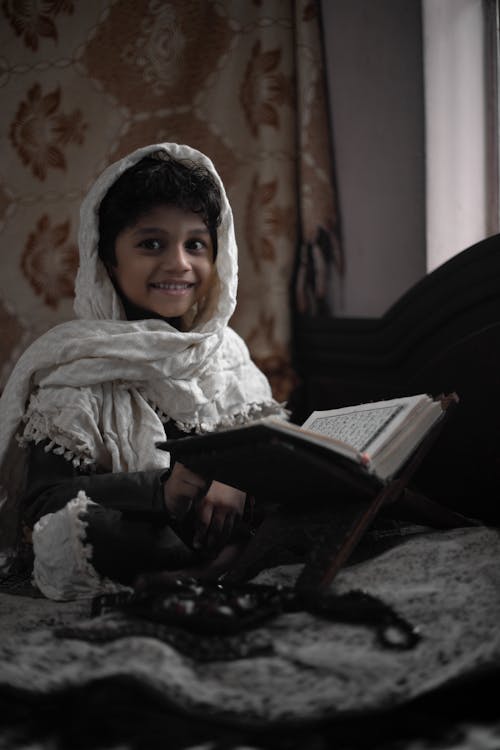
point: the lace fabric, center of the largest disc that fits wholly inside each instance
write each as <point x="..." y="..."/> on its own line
<point x="298" y="666"/>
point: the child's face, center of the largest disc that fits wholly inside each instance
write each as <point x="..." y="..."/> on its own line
<point x="164" y="262"/>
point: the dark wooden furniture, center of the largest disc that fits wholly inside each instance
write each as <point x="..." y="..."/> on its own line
<point x="442" y="335"/>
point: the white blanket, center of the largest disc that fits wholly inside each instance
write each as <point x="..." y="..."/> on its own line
<point x="446" y="583"/>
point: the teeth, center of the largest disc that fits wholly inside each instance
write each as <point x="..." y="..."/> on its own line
<point x="161" y="285"/>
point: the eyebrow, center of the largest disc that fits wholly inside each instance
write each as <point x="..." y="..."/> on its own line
<point x="202" y="229"/>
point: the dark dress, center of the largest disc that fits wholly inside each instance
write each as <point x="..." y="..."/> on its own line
<point x="129" y="528"/>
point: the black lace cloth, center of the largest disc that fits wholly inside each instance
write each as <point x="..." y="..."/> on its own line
<point x="295" y="680"/>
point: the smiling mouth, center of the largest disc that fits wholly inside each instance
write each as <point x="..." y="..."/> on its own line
<point x="179" y="287"/>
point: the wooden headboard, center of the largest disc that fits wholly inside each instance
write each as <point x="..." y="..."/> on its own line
<point x="442" y="335"/>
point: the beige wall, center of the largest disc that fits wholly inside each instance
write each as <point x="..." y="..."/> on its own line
<point x="374" y="62"/>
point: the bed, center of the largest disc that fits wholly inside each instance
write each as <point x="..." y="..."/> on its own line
<point x="73" y="675"/>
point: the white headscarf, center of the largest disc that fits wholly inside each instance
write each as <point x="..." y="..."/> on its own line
<point x="100" y="387"/>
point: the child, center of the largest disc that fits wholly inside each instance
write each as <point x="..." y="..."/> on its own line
<point x="150" y="354"/>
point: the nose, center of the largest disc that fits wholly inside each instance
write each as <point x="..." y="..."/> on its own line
<point x="177" y="259"/>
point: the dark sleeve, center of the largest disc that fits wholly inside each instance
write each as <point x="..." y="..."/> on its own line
<point x="52" y="482"/>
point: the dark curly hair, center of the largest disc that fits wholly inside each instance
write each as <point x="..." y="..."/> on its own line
<point x="155" y="180"/>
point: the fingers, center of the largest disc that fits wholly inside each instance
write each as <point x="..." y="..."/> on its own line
<point x="182" y="490"/>
<point x="217" y="507"/>
<point x="214" y="526"/>
<point x="204" y="513"/>
<point x="229" y="525"/>
<point x="216" y="516"/>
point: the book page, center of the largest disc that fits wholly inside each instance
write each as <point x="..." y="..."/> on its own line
<point x="363" y="426"/>
<point x="404" y="442"/>
<point x="323" y="440"/>
<point x="356" y="428"/>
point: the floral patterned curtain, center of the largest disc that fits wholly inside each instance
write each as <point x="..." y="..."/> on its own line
<point x="85" y="81"/>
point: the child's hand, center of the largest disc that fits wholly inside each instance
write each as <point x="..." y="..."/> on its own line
<point x="182" y="490"/>
<point x="216" y="515"/>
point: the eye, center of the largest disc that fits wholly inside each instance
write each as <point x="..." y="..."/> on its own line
<point x="151" y="244"/>
<point x="196" y="245"/>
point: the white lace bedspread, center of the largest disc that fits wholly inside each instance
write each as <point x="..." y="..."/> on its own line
<point x="447" y="583"/>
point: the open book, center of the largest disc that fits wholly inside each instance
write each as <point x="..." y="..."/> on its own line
<point x="357" y="448"/>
